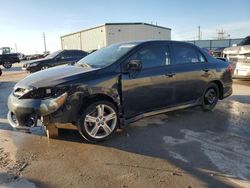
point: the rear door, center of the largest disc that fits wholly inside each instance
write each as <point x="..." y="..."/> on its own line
<point x="192" y="70"/>
<point x="152" y="87"/>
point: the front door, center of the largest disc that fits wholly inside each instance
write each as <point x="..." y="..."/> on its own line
<point x="151" y="88"/>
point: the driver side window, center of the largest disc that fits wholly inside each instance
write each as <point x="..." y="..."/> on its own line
<point x="153" y="56"/>
<point x="66" y="55"/>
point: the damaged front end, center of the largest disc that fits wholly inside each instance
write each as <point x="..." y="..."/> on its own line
<point x="27" y="105"/>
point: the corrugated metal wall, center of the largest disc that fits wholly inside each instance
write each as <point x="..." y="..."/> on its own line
<point x="123" y="33"/>
<point x="213" y="44"/>
<point x="72" y="41"/>
<point x="105" y="35"/>
<point x="93" y="39"/>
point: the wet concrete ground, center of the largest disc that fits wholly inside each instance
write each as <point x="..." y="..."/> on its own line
<point x="187" y="148"/>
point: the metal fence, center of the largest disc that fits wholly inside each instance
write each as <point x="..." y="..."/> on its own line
<point x="214" y="44"/>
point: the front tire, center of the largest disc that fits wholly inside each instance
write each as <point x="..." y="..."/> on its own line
<point x="210" y="97"/>
<point x="44" y="67"/>
<point x="99" y="121"/>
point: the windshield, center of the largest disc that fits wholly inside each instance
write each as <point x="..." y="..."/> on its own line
<point x="106" y="56"/>
<point x="54" y="54"/>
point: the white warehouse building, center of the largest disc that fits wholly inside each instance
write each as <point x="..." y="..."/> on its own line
<point x="110" y="33"/>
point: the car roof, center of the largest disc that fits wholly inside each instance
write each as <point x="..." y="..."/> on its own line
<point x="138" y="42"/>
<point x="76" y="50"/>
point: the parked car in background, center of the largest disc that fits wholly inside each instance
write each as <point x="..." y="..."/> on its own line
<point x="92" y="51"/>
<point x="7" y="57"/>
<point x="21" y="56"/>
<point x="35" y="56"/>
<point x="60" y="57"/>
<point x="218" y="52"/>
<point x="120" y="84"/>
<point x="207" y="51"/>
<point x="240" y="56"/>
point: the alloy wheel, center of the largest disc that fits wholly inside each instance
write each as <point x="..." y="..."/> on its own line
<point x="100" y="122"/>
<point x="210" y="96"/>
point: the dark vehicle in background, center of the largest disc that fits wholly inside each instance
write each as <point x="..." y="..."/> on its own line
<point x="222" y="59"/>
<point x="218" y="52"/>
<point x="7" y="58"/>
<point x="120" y="84"/>
<point x="35" y="56"/>
<point x="207" y="51"/>
<point x="60" y="57"/>
<point x="21" y="57"/>
<point x="240" y="57"/>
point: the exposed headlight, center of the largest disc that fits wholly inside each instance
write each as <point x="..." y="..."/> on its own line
<point x="43" y="93"/>
<point x="33" y="64"/>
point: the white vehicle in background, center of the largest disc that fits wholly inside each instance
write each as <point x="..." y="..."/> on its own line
<point x="240" y="57"/>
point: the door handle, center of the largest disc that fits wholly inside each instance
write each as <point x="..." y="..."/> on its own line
<point x="206" y="69"/>
<point x="171" y="74"/>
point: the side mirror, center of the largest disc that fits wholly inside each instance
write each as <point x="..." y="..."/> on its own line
<point x="134" y="66"/>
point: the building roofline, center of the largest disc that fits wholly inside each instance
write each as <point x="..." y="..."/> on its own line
<point x="138" y="23"/>
<point x="127" y="23"/>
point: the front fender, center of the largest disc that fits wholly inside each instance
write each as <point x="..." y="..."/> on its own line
<point x="77" y="100"/>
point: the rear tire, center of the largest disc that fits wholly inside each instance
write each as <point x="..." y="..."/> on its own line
<point x="7" y="65"/>
<point x="210" y="97"/>
<point x="99" y="121"/>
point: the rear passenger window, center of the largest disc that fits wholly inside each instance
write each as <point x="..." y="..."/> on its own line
<point x="185" y="53"/>
<point x="79" y="53"/>
<point x="153" y="56"/>
<point x="66" y="55"/>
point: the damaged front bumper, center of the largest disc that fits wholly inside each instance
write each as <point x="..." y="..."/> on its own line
<point x="23" y="113"/>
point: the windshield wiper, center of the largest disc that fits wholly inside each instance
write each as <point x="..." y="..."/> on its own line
<point x="84" y="65"/>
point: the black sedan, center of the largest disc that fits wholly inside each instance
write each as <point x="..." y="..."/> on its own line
<point x="120" y="84"/>
<point x="60" y="57"/>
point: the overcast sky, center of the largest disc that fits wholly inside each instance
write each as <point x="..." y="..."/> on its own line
<point x="23" y="21"/>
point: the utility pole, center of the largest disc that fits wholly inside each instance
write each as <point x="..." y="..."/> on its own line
<point x="199" y="32"/>
<point x="44" y="42"/>
<point x="16" y="47"/>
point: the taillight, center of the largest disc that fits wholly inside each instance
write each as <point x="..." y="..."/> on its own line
<point x="230" y="69"/>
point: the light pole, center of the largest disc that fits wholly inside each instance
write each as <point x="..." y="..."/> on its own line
<point x="44" y="42"/>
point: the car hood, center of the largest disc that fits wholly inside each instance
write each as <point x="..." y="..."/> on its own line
<point x="36" y="60"/>
<point x="237" y="50"/>
<point x="53" y="76"/>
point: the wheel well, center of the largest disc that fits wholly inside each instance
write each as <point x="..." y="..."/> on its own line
<point x="96" y="97"/>
<point x="220" y="86"/>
